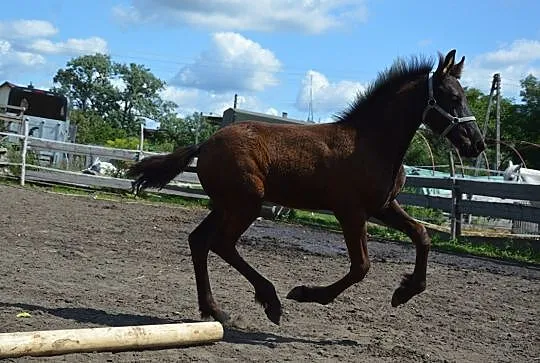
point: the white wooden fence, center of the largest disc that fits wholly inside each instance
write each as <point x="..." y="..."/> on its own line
<point x="528" y="209"/>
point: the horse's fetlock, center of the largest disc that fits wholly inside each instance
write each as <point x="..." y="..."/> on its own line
<point x="358" y="273"/>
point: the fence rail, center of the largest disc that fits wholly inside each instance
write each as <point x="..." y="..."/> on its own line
<point x="527" y="208"/>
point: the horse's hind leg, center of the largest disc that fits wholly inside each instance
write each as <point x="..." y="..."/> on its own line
<point x="412" y="284"/>
<point x="354" y="231"/>
<point x="199" y="244"/>
<point x="234" y="223"/>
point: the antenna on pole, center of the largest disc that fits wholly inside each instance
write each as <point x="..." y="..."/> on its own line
<point x="310" y="112"/>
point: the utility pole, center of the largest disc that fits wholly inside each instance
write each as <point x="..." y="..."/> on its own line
<point x="494" y="95"/>
<point x="497" y="76"/>
<point x="198" y="129"/>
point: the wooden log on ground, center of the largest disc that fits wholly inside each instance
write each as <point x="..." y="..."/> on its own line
<point x="55" y="342"/>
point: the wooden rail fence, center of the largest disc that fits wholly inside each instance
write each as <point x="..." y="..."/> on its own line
<point x="523" y="200"/>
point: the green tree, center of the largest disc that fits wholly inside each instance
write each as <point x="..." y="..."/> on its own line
<point x="86" y="83"/>
<point x="139" y="96"/>
<point x="190" y="130"/>
<point x="93" y="129"/>
<point x="104" y="111"/>
<point x="528" y="121"/>
<point x="509" y="124"/>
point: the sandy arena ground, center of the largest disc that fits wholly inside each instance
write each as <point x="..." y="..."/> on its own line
<point x="74" y="262"/>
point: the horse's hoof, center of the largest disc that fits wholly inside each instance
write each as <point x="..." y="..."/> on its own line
<point x="408" y="288"/>
<point x="221" y="316"/>
<point x="298" y="293"/>
<point x="398" y="297"/>
<point x="314" y="294"/>
<point x="273" y="313"/>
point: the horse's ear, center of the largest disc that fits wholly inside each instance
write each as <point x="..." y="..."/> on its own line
<point x="458" y="68"/>
<point x="446" y="65"/>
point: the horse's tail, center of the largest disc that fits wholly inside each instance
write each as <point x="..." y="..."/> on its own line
<point x="156" y="171"/>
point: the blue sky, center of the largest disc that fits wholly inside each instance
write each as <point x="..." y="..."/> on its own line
<point x="270" y="52"/>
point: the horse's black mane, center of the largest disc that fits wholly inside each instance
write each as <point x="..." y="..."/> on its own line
<point x="400" y="71"/>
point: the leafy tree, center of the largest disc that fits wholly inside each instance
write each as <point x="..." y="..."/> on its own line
<point x="191" y="130"/>
<point x="140" y="95"/>
<point x="520" y="123"/>
<point x="86" y="83"/>
<point x="528" y="121"/>
<point x="115" y="110"/>
<point x="92" y="128"/>
<point x="478" y="104"/>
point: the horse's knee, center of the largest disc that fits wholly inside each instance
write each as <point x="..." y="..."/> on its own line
<point x="423" y="238"/>
<point x="357" y="273"/>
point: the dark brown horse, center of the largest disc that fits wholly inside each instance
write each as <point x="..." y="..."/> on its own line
<point x="352" y="167"/>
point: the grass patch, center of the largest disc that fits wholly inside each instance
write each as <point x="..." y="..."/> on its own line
<point x="506" y="252"/>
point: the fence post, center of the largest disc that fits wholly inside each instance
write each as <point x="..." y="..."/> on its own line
<point x="141" y="143"/>
<point x="23" y="151"/>
<point x="458" y="217"/>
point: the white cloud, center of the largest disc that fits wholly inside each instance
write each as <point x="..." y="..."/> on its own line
<point x="13" y="61"/>
<point x="514" y="62"/>
<point x="25" y="45"/>
<point x="311" y="16"/>
<point x="26" y="29"/>
<point x="327" y="97"/>
<point x="191" y="100"/>
<point x="520" y="51"/>
<point x="71" y="46"/>
<point x="272" y="111"/>
<point x="232" y="63"/>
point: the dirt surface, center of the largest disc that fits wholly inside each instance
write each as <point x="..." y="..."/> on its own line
<point x="74" y="262"/>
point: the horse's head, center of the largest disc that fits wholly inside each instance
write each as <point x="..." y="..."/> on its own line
<point x="511" y="173"/>
<point x="447" y="111"/>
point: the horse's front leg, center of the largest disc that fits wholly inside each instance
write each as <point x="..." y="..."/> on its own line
<point x="412" y="284"/>
<point x="354" y="231"/>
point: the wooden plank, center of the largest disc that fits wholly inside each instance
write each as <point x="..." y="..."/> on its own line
<point x="78" y="179"/>
<point x="87" y="180"/>
<point x="426" y="201"/>
<point x="500" y="189"/>
<point x="11" y="118"/>
<point x="428" y="182"/>
<point x="501" y="210"/>
<point x="72" y="148"/>
<point x="9" y="134"/>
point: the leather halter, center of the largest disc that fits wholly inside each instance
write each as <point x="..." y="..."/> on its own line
<point x="432" y="103"/>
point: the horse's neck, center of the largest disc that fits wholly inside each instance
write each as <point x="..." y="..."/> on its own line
<point x="395" y="126"/>
<point x="530" y="176"/>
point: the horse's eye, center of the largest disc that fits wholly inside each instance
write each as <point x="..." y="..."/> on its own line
<point x="455" y="98"/>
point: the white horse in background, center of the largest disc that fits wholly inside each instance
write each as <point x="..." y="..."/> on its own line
<point x="516" y="173"/>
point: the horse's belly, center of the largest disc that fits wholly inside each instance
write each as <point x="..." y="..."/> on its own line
<point x="297" y="195"/>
